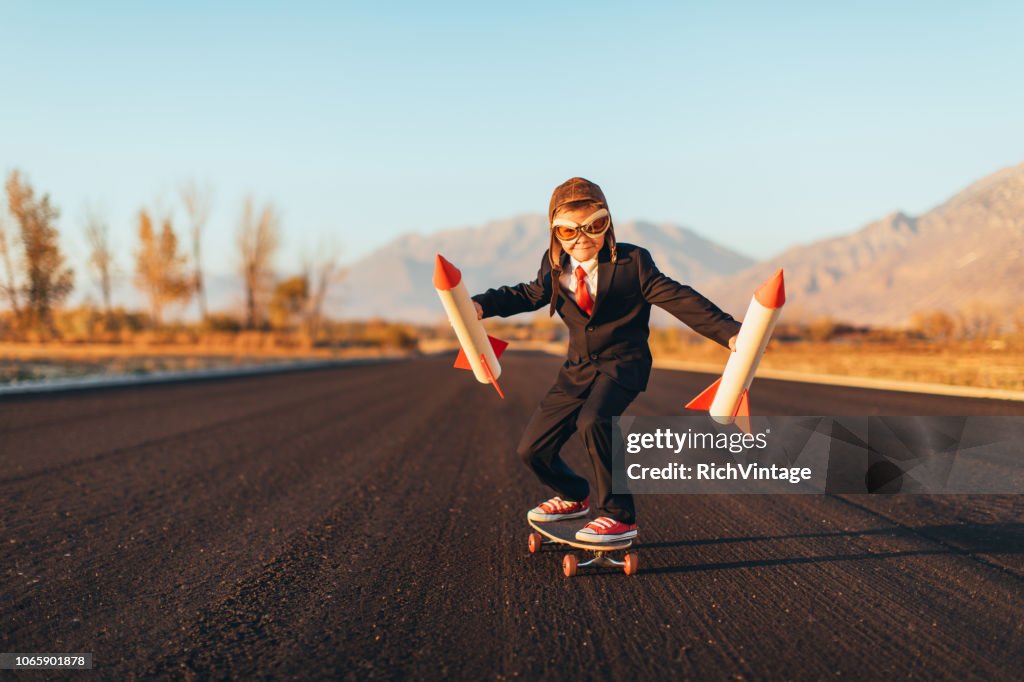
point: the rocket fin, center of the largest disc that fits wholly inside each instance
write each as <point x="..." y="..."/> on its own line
<point x="498" y="345"/>
<point x="743" y="413"/>
<point x="462" y="362"/>
<point x="742" y="407"/>
<point x="707" y="396"/>
<point x="490" y="375"/>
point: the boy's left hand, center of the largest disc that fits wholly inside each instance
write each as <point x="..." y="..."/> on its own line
<point x="732" y="343"/>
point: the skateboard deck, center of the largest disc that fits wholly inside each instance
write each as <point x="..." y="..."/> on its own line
<point x="564" y="533"/>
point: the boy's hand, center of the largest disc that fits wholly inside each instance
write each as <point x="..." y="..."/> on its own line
<point x="732" y="343"/>
<point x="479" y="310"/>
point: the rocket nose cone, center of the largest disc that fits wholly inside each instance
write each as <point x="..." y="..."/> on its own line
<point x="446" y="275"/>
<point x="772" y="294"/>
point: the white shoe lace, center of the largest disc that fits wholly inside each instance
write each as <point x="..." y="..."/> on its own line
<point x="557" y="504"/>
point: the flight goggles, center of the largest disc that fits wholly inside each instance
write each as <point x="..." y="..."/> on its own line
<point x="597" y="223"/>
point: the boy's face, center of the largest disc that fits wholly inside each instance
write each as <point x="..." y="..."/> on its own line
<point x="586" y="246"/>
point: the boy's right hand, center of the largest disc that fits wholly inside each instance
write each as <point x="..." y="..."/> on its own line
<point x="479" y="310"/>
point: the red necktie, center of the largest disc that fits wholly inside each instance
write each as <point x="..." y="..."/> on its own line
<point x="583" y="299"/>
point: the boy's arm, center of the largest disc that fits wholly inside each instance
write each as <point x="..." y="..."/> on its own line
<point x="685" y="303"/>
<point x="521" y="298"/>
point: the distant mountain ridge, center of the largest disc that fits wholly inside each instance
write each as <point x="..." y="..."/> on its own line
<point x="968" y="249"/>
<point x="394" y="282"/>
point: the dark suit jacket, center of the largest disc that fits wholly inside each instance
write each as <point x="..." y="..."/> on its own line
<point x="613" y="340"/>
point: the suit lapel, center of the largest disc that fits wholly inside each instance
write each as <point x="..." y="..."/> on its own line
<point x="605" y="273"/>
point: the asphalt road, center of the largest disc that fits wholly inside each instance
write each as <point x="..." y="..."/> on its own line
<point x="368" y="522"/>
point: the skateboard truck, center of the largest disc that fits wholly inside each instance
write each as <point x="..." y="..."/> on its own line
<point x="570" y="565"/>
<point x="559" y="533"/>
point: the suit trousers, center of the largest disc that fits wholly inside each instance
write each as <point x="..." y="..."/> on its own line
<point x="557" y="417"/>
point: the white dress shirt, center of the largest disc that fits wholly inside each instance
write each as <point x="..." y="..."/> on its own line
<point x="568" y="278"/>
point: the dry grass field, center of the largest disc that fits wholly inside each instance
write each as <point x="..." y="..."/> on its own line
<point x="978" y="364"/>
<point x="992" y="364"/>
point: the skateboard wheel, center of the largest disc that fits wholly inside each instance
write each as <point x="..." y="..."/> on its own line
<point x="535" y="541"/>
<point x="569" y="565"/>
<point x="631" y="564"/>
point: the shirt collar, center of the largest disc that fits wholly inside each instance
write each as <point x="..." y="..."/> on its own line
<point x="588" y="266"/>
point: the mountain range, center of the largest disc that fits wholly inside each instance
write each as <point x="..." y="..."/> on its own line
<point x="967" y="250"/>
<point x="970" y="248"/>
<point x="394" y="282"/>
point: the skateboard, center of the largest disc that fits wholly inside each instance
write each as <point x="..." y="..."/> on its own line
<point x="564" y="533"/>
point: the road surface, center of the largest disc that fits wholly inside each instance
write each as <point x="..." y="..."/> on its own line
<point x="368" y="522"/>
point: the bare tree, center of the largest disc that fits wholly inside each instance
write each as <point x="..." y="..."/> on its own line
<point x="197" y="202"/>
<point x="937" y="325"/>
<point x="48" y="281"/>
<point x="160" y="266"/>
<point x="1017" y="320"/>
<point x="258" y="238"/>
<point x="10" y="284"/>
<point x="101" y="254"/>
<point x="978" y="319"/>
<point x="321" y="271"/>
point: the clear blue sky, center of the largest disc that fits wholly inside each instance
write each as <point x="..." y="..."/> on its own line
<point x="758" y="124"/>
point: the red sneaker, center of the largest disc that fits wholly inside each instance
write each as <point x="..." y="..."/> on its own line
<point x="557" y="509"/>
<point x="604" y="529"/>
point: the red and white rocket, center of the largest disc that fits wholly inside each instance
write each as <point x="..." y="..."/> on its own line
<point x="479" y="351"/>
<point x="726" y="399"/>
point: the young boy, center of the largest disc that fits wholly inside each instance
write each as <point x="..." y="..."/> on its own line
<point x="603" y="291"/>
